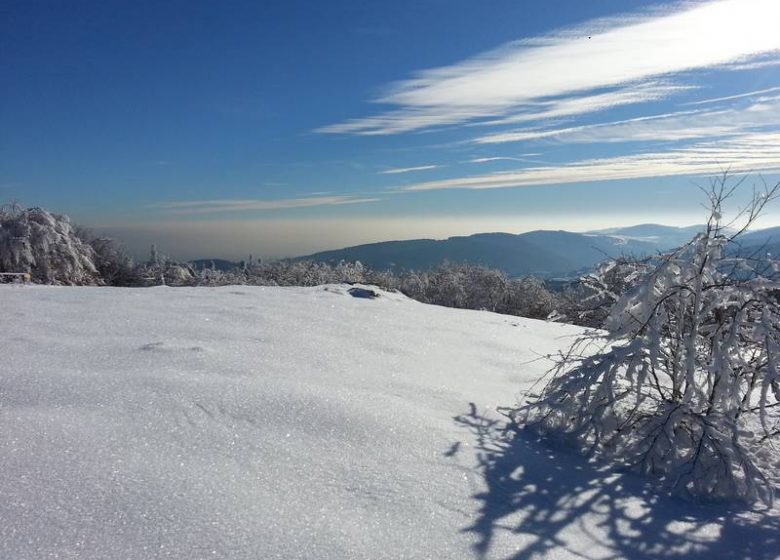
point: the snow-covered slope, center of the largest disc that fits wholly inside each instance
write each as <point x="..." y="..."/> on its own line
<point x="254" y="423"/>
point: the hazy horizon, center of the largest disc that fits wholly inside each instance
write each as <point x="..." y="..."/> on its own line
<point x="237" y="240"/>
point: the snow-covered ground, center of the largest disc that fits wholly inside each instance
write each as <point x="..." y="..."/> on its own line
<point x="255" y="423"/>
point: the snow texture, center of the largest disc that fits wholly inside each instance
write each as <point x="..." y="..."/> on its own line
<point x="299" y="423"/>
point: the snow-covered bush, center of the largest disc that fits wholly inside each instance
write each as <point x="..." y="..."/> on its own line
<point x="447" y="286"/>
<point x="160" y="270"/>
<point x="685" y="385"/>
<point x="414" y="284"/>
<point x="383" y="278"/>
<point x="114" y="266"/>
<point x="46" y="246"/>
<point x="296" y="273"/>
<point x="529" y="297"/>
<point x="475" y="287"/>
<point x="451" y="285"/>
<point x="166" y="273"/>
<point x="486" y="288"/>
<point x="589" y="299"/>
<point x="213" y="277"/>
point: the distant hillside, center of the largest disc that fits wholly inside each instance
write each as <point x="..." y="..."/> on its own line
<point x="761" y="242"/>
<point x="664" y="236"/>
<point x="761" y="236"/>
<point x="543" y="253"/>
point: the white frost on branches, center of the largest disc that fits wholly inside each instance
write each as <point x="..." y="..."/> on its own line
<point x="684" y="385"/>
<point x="44" y="245"/>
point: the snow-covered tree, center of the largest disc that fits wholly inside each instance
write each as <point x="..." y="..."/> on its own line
<point x="685" y="385"/>
<point x="44" y="245"/>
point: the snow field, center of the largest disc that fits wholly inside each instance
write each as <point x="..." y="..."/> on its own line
<point x="247" y="422"/>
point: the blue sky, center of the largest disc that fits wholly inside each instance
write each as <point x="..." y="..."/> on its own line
<point x="280" y="128"/>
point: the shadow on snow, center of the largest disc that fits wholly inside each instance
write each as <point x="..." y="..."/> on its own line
<point x="546" y="496"/>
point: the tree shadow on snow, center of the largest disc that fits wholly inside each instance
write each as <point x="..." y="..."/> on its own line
<point x="546" y="496"/>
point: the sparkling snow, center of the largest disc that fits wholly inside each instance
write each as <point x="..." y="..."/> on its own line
<point x="253" y="423"/>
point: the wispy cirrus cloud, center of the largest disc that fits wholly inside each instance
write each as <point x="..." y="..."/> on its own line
<point x="194" y="207"/>
<point x="492" y="159"/>
<point x="495" y="158"/>
<point x="747" y="153"/>
<point x="758" y="62"/>
<point x="763" y="113"/>
<point x="732" y="97"/>
<point x="566" y="73"/>
<point x="397" y="170"/>
<point x="574" y="106"/>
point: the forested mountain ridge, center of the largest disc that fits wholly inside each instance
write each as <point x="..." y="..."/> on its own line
<point x="542" y="253"/>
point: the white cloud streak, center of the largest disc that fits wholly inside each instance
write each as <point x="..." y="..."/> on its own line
<point x="627" y="55"/>
<point x="397" y="170"/>
<point x="732" y="97"/>
<point x="494" y="158"/>
<point x="574" y="106"/>
<point x="749" y="153"/>
<point x="194" y="207"/>
<point x="681" y="125"/>
<point x="761" y="62"/>
<point x="501" y="158"/>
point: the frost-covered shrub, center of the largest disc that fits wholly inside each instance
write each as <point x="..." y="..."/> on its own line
<point x="529" y="297"/>
<point x="296" y="273"/>
<point x="476" y="287"/>
<point x="451" y="285"/>
<point x="486" y="288"/>
<point x="589" y="299"/>
<point x="114" y="266"/>
<point x="214" y="277"/>
<point x="447" y="286"/>
<point x="685" y="385"/>
<point x="160" y="270"/>
<point x="382" y="278"/>
<point x="166" y="273"/>
<point x="46" y="246"/>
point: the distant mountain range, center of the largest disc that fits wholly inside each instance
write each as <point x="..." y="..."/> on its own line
<point x="541" y="253"/>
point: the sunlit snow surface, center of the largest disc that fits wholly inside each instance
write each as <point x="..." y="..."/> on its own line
<point x="253" y="423"/>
